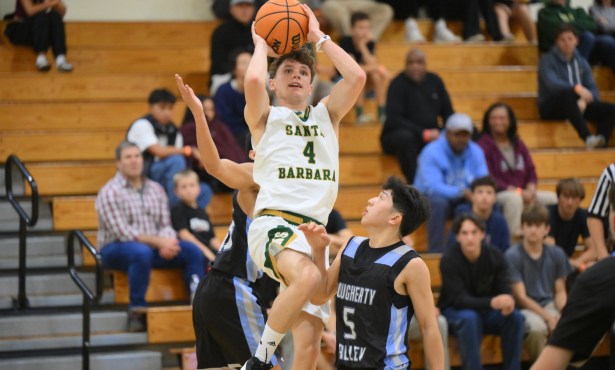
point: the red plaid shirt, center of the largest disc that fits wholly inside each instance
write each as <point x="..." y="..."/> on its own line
<point x="124" y="213"/>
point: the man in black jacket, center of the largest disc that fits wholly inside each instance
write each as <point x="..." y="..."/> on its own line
<point x="415" y="101"/>
<point x="476" y="297"/>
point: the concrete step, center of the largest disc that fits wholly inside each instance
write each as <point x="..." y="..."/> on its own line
<point x="140" y="360"/>
<point x="38" y="262"/>
<point x="60" y="324"/>
<point x="45" y="284"/>
<point x="57" y="300"/>
<point x="36" y="246"/>
<point x="71" y="341"/>
<point x="9" y="221"/>
<point x="18" y="184"/>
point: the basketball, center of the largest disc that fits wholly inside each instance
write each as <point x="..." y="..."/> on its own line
<point x="283" y="24"/>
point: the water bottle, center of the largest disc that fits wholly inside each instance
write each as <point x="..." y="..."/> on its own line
<point x="194" y="283"/>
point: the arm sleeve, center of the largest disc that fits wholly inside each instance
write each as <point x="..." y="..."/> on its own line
<point x="588" y="79"/>
<point x="583" y="219"/>
<point x="599" y="205"/>
<point x="218" y="54"/>
<point x="142" y="134"/>
<point x="531" y="177"/>
<point x="583" y="21"/>
<point x="513" y="262"/>
<point x="178" y="218"/>
<point x="453" y="278"/>
<point x="430" y="171"/>
<point x="563" y="266"/>
<point x="112" y="216"/>
<point x="548" y="76"/>
<point x="446" y="109"/>
<point x="166" y="230"/>
<point x="502" y="283"/>
<point x="396" y="109"/>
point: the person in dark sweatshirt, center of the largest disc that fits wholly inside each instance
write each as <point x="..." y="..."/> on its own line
<point x="567" y="90"/>
<point x="476" y="297"/>
<point x="416" y="100"/>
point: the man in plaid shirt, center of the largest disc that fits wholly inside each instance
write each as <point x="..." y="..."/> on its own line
<point x="135" y="232"/>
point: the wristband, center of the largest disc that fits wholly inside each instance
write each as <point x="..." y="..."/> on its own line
<point x="187" y="151"/>
<point x="322" y="41"/>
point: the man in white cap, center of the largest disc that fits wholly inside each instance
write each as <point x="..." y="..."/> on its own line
<point x="446" y="167"/>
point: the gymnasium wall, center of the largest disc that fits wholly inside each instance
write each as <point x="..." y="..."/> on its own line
<point x="143" y="10"/>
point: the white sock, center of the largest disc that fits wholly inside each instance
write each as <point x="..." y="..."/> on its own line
<point x="41" y="59"/>
<point x="60" y="59"/>
<point x="269" y="342"/>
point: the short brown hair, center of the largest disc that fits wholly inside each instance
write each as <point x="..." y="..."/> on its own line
<point x="535" y="215"/>
<point x="484" y="181"/>
<point x="571" y="187"/>
<point x="184" y="175"/>
<point x="301" y="56"/>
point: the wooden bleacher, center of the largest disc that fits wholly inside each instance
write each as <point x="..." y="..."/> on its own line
<point x="65" y="127"/>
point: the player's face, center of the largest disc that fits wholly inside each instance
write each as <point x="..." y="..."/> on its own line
<point x="162" y="112"/>
<point x="292" y="81"/>
<point x="130" y="163"/>
<point x="187" y="189"/>
<point x="566" y="43"/>
<point x="483" y="198"/>
<point x="379" y="210"/>
<point x="534" y="233"/>
<point x="469" y="238"/>
<point x="567" y="205"/>
<point x="499" y="121"/>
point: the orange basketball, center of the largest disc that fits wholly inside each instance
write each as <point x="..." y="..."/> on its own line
<point x="283" y="24"/>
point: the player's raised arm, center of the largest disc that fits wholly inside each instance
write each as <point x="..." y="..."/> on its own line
<point x="233" y="175"/>
<point x="344" y="94"/>
<point x="257" y="99"/>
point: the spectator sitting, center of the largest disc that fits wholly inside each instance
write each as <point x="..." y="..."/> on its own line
<point x="568" y="222"/>
<point x="39" y="23"/>
<point x="476" y="298"/>
<point x="162" y="145"/>
<point x="223" y="138"/>
<point x="483" y="200"/>
<point x="360" y="44"/>
<point x="230" y="100"/>
<point x="538" y="272"/>
<point x="338" y="232"/>
<point x="567" y="90"/>
<point x="338" y="12"/>
<point x="598" y="212"/>
<point x="191" y="222"/>
<point x="135" y="233"/>
<point x="231" y="35"/>
<point x="416" y="100"/>
<point x="511" y="165"/>
<point x="446" y="168"/>
<point x="519" y="10"/>
<point x="600" y="48"/>
<point x="407" y="11"/>
<point x="470" y="12"/>
<point x="603" y="13"/>
<point x="222" y="8"/>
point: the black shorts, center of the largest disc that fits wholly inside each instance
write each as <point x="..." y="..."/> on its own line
<point x="228" y="318"/>
<point x="589" y="312"/>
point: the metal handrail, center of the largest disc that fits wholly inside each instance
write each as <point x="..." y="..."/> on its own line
<point x="24" y="219"/>
<point x="89" y="297"/>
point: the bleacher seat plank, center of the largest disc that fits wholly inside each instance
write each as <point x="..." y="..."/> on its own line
<point x="71" y="178"/>
<point x="169" y="324"/>
<point x="220" y="209"/>
<point x="172" y="60"/>
<point x="82" y="116"/>
<point x="73" y="146"/>
<point x="164" y="285"/>
<point x="70" y="213"/>
<point x="571" y="163"/>
<point x="367" y="169"/>
<point x="56" y="87"/>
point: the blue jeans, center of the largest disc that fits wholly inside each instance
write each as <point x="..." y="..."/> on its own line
<point x="597" y="48"/>
<point x="441" y="210"/>
<point x="163" y="170"/>
<point x="138" y="259"/>
<point x="469" y="325"/>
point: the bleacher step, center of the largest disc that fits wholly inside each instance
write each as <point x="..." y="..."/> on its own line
<point x="36" y="246"/>
<point x="141" y="360"/>
<point x="9" y="221"/>
<point x="18" y="185"/>
<point x="56" y="300"/>
<point x="72" y="341"/>
<point x="60" y="324"/>
<point x="45" y="284"/>
<point x="38" y="262"/>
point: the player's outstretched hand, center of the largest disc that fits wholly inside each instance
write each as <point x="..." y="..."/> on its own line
<point x="316" y="236"/>
<point x="188" y="96"/>
<point x="257" y="39"/>
<point x="314" y="32"/>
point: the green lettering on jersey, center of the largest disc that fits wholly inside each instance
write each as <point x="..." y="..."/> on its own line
<point x="308" y="151"/>
<point x="317" y="174"/>
<point x="289" y="130"/>
<point x="300" y="173"/>
<point x="281" y="173"/>
<point x="290" y="174"/>
<point x="326" y="175"/>
<point x="308" y="173"/>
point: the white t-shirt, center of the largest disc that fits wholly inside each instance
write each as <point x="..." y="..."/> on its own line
<point x="143" y="135"/>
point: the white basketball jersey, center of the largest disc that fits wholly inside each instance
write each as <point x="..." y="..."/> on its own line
<point x="297" y="163"/>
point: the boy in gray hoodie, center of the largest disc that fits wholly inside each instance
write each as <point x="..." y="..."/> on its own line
<point x="567" y="90"/>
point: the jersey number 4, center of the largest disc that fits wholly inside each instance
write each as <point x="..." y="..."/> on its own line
<point x="348" y="312"/>
<point x="308" y="151"/>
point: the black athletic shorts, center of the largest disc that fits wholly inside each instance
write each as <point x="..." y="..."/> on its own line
<point x="589" y="312"/>
<point x="228" y="318"/>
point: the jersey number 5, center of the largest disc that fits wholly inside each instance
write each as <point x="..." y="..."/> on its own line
<point x="308" y="151"/>
<point x="348" y="311"/>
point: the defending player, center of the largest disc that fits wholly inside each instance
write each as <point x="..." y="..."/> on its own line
<point x="228" y="314"/>
<point x="588" y="314"/>
<point x="381" y="282"/>
<point x="297" y="168"/>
